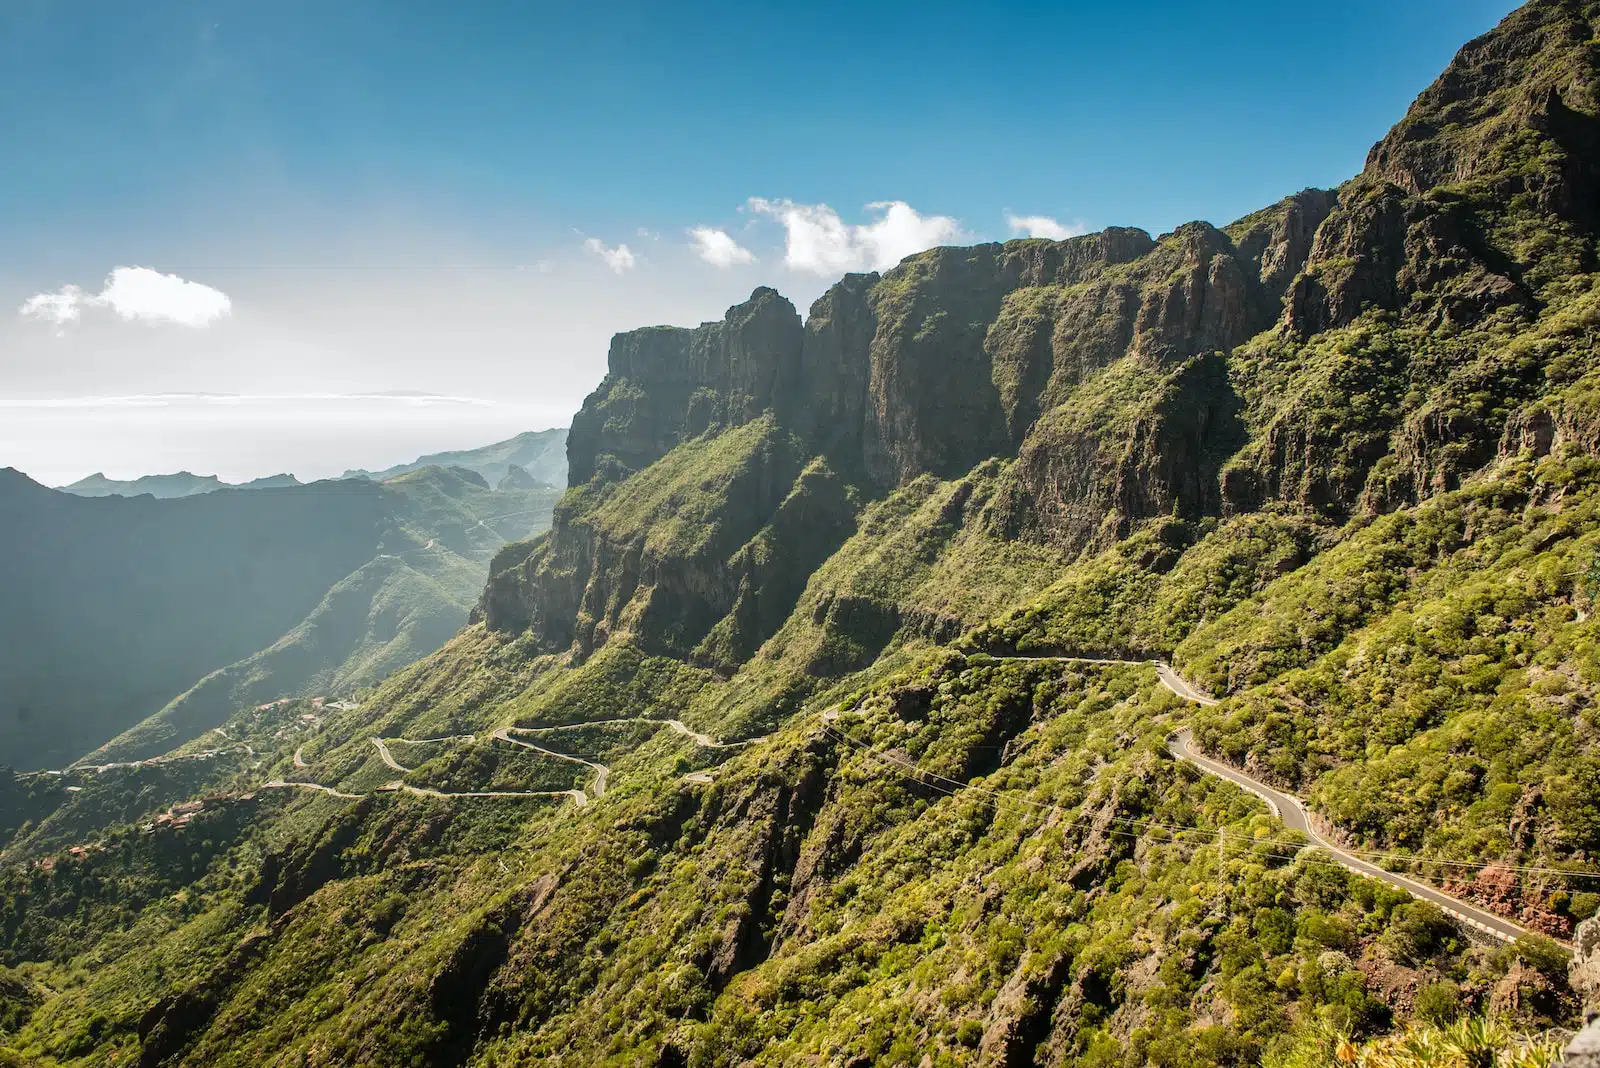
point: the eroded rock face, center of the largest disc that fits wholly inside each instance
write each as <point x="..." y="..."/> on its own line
<point x="614" y="561"/>
<point x="951" y="358"/>
<point x="1584" y="971"/>
<point x="1382" y="249"/>
<point x="1278" y="241"/>
<point x="666" y="384"/>
<point x="1525" y="77"/>
<point x="935" y="405"/>
<point x="1082" y="480"/>
<point x="1111" y="368"/>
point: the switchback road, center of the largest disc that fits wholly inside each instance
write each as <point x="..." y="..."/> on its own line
<point x="601" y="772"/>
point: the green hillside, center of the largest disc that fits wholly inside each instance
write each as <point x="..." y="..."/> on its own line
<point x="838" y="718"/>
<point x="187" y="610"/>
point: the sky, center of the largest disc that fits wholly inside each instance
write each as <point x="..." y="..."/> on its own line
<point x="243" y="238"/>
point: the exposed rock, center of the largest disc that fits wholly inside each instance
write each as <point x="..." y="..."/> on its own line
<point x="1499" y="89"/>
<point x="666" y="384"/>
<point x="1277" y="241"/>
<point x="1083" y="479"/>
<point x="1524" y="993"/>
<point x="1019" y="1016"/>
<point x="1584" y="971"/>
<point x="1584" y="1049"/>
<point x="517" y="478"/>
<point x="934" y="406"/>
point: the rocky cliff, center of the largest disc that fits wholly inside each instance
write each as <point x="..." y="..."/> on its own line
<point x="816" y="602"/>
<point x="1329" y="352"/>
<point x="1083" y="358"/>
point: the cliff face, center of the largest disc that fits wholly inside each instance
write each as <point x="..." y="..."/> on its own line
<point x="667" y="384"/>
<point x="1090" y="361"/>
<point x="1329" y="352"/>
<point x="849" y="551"/>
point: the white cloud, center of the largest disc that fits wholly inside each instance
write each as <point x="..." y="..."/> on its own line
<point x="619" y="259"/>
<point x="718" y="249"/>
<point x="60" y="307"/>
<point x="821" y="242"/>
<point x="134" y="293"/>
<point x="1044" y="226"/>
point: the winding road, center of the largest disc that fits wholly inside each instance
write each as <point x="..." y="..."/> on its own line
<point x="388" y="757"/>
<point x="280" y="784"/>
<point x="1289" y="809"/>
<point x="146" y="763"/>
<point x="1169" y="678"/>
<point x="601" y="772"/>
<point x="677" y="725"/>
<point x="578" y="797"/>
<point x="1292" y="812"/>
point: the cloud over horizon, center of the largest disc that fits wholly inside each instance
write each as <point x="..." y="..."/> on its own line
<point x="717" y="248"/>
<point x="134" y="293"/>
<point x="1044" y="226"/>
<point x="819" y="241"/>
<point x="619" y="259"/>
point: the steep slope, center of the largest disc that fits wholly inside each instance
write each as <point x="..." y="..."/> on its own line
<point x="813" y="604"/>
<point x="113" y="605"/>
<point x="339" y="582"/>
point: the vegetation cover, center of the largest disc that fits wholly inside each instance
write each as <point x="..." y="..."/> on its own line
<point x="810" y="602"/>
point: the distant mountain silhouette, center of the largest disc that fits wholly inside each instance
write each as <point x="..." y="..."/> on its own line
<point x="541" y="453"/>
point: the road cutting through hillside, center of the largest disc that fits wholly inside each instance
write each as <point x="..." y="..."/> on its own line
<point x="280" y="784"/>
<point x="578" y="797"/>
<point x="677" y="725"/>
<point x="601" y="772"/>
<point x="1164" y="671"/>
<point x="299" y="757"/>
<point x="1292" y="812"/>
<point x="388" y="757"/>
<point x="1289" y="809"/>
<point x="148" y="762"/>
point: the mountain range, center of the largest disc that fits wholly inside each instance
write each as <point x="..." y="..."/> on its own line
<point x="134" y="624"/>
<point x="906" y="685"/>
<point x="539" y="455"/>
<point x="165" y="487"/>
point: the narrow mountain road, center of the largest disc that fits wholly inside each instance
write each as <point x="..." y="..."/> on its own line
<point x="299" y="757"/>
<point x="423" y="791"/>
<point x="388" y="757"/>
<point x="601" y="772"/>
<point x="1292" y="811"/>
<point x="1286" y="807"/>
<point x="148" y="762"/>
<point x="1169" y="678"/>
<point x="677" y="725"/>
<point x="578" y="797"/>
<point x="280" y="784"/>
<point x="1179" y="685"/>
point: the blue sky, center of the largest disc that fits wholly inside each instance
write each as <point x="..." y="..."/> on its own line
<point x="433" y="196"/>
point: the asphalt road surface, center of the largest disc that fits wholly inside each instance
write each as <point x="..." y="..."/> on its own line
<point x="1292" y="812"/>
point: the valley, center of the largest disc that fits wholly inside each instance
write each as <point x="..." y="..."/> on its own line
<point x="1101" y="651"/>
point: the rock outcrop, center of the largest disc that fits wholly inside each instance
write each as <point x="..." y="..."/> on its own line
<point x="1328" y="353"/>
<point x="667" y="384"/>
